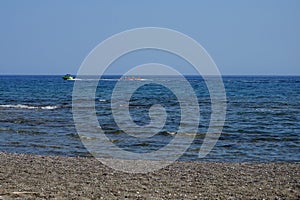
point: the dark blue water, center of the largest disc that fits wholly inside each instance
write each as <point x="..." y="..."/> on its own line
<point x="262" y="121"/>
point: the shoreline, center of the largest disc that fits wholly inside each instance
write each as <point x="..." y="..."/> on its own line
<point x="45" y="177"/>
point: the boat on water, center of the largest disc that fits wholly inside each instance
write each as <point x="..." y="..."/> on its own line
<point x="68" y="77"/>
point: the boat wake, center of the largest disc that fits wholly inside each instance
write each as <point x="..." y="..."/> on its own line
<point x="109" y="79"/>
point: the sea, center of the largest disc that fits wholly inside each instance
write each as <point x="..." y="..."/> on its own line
<point x="262" y="122"/>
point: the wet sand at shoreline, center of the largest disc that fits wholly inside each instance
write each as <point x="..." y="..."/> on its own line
<point x="51" y="177"/>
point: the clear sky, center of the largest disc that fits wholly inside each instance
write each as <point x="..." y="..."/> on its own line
<point x="242" y="36"/>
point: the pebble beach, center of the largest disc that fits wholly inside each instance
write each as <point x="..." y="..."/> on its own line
<point x="24" y="176"/>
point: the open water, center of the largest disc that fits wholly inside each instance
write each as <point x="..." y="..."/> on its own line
<point x="262" y="120"/>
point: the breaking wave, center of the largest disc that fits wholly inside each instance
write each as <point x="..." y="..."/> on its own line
<point x="21" y="106"/>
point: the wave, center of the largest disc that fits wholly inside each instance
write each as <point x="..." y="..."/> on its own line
<point x="103" y="100"/>
<point x="21" y="106"/>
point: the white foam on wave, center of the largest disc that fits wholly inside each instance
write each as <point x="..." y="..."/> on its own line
<point x="48" y="107"/>
<point x="21" y="106"/>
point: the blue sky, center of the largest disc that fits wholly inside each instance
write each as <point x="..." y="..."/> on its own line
<point x="242" y="36"/>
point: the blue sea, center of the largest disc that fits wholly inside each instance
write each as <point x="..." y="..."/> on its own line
<point x="262" y="119"/>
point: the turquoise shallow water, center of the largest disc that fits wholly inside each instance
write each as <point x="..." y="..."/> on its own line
<point x="262" y="121"/>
